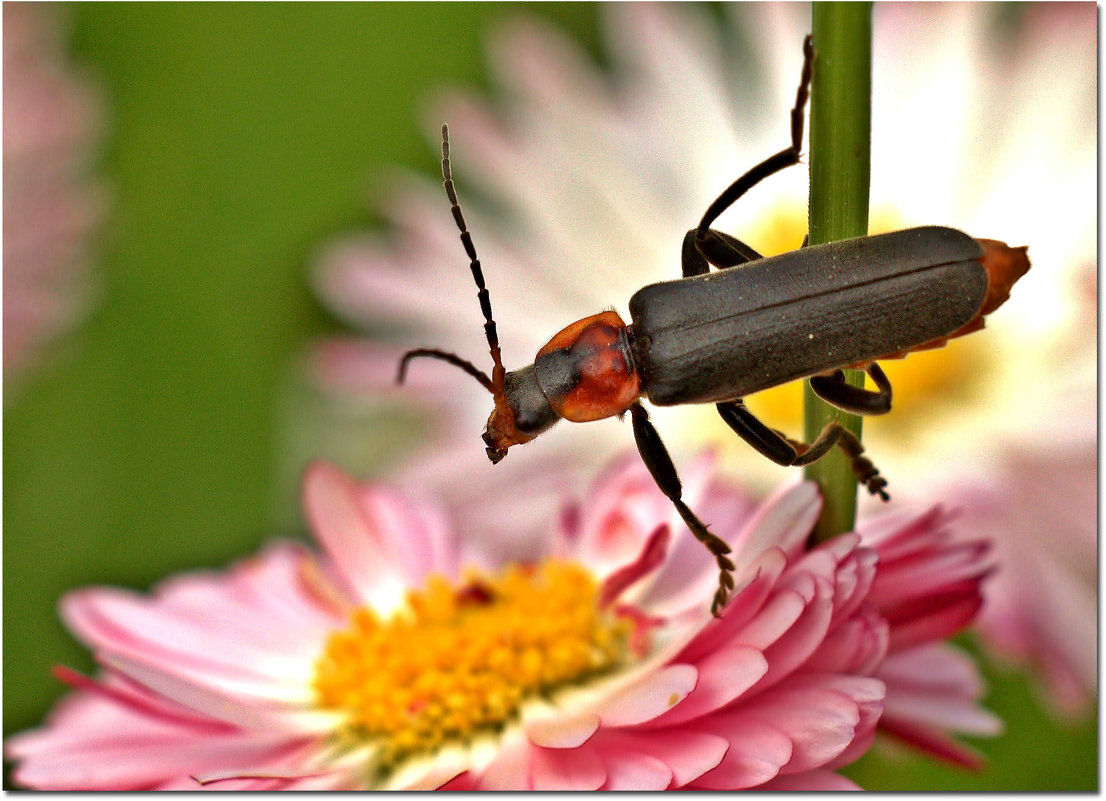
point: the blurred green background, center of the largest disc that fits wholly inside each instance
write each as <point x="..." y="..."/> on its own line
<point x="240" y="138"/>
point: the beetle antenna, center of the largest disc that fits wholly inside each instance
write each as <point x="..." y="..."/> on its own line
<point x="445" y="356"/>
<point x="498" y="371"/>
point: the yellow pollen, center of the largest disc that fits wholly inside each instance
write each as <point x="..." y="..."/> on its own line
<point x="463" y="658"/>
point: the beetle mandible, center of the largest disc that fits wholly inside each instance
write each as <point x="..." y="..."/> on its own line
<point x="755" y="323"/>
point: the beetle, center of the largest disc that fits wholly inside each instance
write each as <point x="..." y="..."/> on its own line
<point x="754" y="323"/>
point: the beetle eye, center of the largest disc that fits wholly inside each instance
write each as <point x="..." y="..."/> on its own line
<point x="528" y="421"/>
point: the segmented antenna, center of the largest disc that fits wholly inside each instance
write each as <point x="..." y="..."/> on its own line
<point x="445" y="356"/>
<point x="493" y="384"/>
<point x="492" y="335"/>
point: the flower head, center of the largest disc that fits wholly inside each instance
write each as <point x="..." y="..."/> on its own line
<point x="601" y="173"/>
<point x="52" y="122"/>
<point x="403" y="655"/>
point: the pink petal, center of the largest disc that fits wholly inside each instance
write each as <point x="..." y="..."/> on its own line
<point x="212" y="613"/>
<point x="350" y="364"/>
<point x="624" y="507"/>
<point x="746" y="603"/>
<point x="784" y="521"/>
<point x="131" y="627"/>
<point x="269" y="586"/>
<point x="855" y="577"/>
<point x="417" y="535"/>
<point x="635" y="771"/>
<point x="233" y="702"/>
<point x="648" y="697"/>
<point x="651" y="557"/>
<point x="723" y="676"/>
<point x="563" y="731"/>
<point x="131" y="697"/>
<point x="429" y="772"/>
<point x="129" y="750"/>
<point x="936" y="618"/>
<point x="575" y="769"/>
<point x="921" y="573"/>
<point x="757" y="753"/>
<point x="857" y="646"/>
<point x="335" y="513"/>
<point x="897" y="535"/>
<point x="941" y="690"/>
<point x="935" y="666"/>
<point x="254" y="777"/>
<point x="933" y="742"/>
<point x="869" y="695"/>
<point x="510" y="768"/>
<point x="688" y="753"/>
<point x="820" y="722"/>
<point x="800" y="640"/>
<point x="461" y="783"/>
<point x="775" y="618"/>
<point x="931" y="710"/>
<point x="689" y="574"/>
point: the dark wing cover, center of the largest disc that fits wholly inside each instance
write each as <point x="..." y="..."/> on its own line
<point x="737" y="331"/>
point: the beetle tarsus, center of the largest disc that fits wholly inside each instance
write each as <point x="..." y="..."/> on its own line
<point x="718" y="548"/>
<point x="866" y="472"/>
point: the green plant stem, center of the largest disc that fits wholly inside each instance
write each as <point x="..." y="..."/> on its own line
<point x="840" y="168"/>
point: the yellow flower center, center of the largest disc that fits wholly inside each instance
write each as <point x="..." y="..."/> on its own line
<point x="920" y="381"/>
<point x="460" y="659"/>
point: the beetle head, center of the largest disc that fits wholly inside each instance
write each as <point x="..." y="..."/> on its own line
<point x="521" y="413"/>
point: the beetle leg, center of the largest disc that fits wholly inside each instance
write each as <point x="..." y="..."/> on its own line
<point x="773" y="164"/>
<point x="660" y="465"/>
<point x="767" y="441"/>
<point x="834" y="391"/>
<point x="788" y="452"/>
<point x="713" y="247"/>
<point x="692" y="262"/>
<point x="866" y="472"/>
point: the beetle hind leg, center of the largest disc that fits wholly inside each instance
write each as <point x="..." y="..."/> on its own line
<point x="790" y="453"/>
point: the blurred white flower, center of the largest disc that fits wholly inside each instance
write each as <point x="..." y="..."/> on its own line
<point x="52" y="125"/>
<point x="578" y="185"/>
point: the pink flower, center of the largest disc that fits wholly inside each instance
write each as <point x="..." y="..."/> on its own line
<point x="600" y="173"/>
<point x="401" y="655"/>
<point x="928" y="587"/>
<point x="52" y="123"/>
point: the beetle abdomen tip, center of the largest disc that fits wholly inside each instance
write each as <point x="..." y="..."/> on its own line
<point x="1004" y="265"/>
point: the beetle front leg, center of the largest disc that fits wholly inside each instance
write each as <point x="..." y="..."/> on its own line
<point x="660" y="465"/>
<point x="706" y="239"/>
<point x="788" y="452"/>
<point x="836" y="392"/>
<point x="703" y="245"/>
